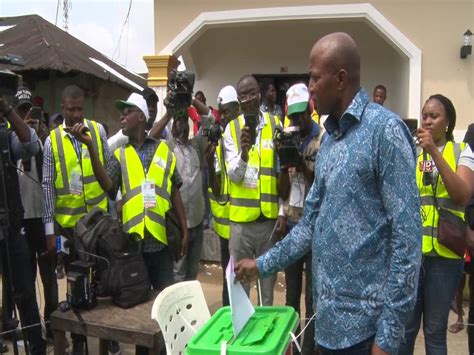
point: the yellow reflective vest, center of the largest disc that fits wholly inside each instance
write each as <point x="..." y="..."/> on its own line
<point x="135" y="216"/>
<point x="220" y="205"/>
<point x="248" y="202"/>
<point x="429" y="213"/>
<point x="76" y="188"/>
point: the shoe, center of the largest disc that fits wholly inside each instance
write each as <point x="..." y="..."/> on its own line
<point x="114" y="348"/>
<point x="3" y="348"/>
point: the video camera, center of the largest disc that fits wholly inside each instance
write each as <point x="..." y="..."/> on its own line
<point x="180" y="87"/>
<point x="81" y="284"/>
<point x="287" y="141"/>
<point x="9" y="80"/>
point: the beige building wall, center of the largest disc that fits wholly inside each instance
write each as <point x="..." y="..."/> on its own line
<point x="434" y="26"/>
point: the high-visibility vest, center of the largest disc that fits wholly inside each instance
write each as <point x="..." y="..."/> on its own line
<point x="70" y="205"/>
<point x="246" y="203"/>
<point x="220" y="205"/>
<point x="135" y="216"/>
<point x="429" y="213"/>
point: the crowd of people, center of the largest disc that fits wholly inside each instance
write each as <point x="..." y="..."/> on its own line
<point x="357" y="208"/>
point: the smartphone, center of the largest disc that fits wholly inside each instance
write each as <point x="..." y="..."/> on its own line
<point x="251" y="123"/>
<point x="36" y="113"/>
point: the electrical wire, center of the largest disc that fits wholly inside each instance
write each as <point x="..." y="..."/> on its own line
<point x="57" y="12"/>
<point x="117" y="48"/>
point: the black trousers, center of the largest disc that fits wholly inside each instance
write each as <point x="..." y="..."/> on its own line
<point x="225" y="257"/>
<point x="23" y="287"/>
<point x="34" y="233"/>
<point x="294" y="287"/>
<point x="362" y="348"/>
<point x="470" y="317"/>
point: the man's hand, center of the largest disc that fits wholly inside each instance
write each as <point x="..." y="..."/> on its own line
<point x="209" y="154"/>
<point x="376" y="350"/>
<point x="246" y="270"/>
<point x="245" y="143"/>
<point x="51" y="244"/>
<point x="79" y="131"/>
<point x="4" y="105"/>
<point x="281" y="227"/>
<point x="184" y="243"/>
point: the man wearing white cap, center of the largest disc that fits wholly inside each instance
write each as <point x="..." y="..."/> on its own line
<point x="144" y="166"/>
<point x="294" y="185"/>
<point x="218" y="191"/>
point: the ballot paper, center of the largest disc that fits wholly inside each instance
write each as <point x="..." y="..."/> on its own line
<point x="240" y="307"/>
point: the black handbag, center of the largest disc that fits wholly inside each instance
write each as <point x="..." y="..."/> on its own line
<point x="452" y="231"/>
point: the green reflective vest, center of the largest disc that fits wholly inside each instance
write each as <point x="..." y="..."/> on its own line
<point x="135" y="216"/>
<point x="429" y="213"/>
<point x="74" y="200"/>
<point x="220" y="205"/>
<point x="248" y="203"/>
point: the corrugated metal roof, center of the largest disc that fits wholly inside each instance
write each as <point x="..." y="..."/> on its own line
<point x="44" y="46"/>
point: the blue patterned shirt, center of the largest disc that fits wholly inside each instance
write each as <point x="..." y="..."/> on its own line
<point x="362" y="222"/>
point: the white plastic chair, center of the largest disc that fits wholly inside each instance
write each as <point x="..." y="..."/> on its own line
<point x="180" y="310"/>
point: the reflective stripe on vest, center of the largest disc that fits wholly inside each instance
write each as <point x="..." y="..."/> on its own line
<point x="429" y="213"/>
<point x="70" y="207"/>
<point x="247" y="204"/>
<point x="221" y="207"/>
<point x="135" y="216"/>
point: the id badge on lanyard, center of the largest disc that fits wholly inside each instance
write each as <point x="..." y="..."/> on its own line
<point x="297" y="190"/>
<point x="251" y="175"/>
<point x="148" y="193"/>
<point x="76" y="185"/>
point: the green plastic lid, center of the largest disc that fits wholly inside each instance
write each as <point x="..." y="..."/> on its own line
<point x="267" y="332"/>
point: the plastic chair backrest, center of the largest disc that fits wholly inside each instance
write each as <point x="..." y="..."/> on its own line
<point x="180" y="310"/>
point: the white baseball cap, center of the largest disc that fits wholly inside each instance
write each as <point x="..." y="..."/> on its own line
<point x="226" y="95"/>
<point x="134" y="100"/>
<point x="297" y="98"/>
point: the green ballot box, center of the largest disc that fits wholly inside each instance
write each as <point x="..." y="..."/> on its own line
<point x="267" y="332"/>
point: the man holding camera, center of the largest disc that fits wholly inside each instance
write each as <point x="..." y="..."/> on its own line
<point x="30" y="177"/>
<point x="69" y="185"/>
<point x="19" y="142"/>
<point x="253" y="174"/>
<point x="295" y="180"/>
<point x="189" y="162"/>
<point x="218" y="191"/>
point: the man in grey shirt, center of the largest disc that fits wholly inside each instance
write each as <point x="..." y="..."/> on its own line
<point x="189" y="162"/>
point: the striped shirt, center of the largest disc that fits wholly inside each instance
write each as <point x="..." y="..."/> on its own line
<point x="49" y="175"/>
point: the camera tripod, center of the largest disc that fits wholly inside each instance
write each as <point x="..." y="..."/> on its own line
<point x="5" y="233"/>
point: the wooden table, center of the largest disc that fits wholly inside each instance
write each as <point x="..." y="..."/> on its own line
<point x="109" y="322"/>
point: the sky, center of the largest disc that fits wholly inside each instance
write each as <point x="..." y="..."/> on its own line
<point x="99" y="24"/>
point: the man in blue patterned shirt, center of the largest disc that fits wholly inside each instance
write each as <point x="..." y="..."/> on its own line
<point x="361" y="217"/>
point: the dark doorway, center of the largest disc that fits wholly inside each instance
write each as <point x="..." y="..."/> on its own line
<point x="282" y="83"/>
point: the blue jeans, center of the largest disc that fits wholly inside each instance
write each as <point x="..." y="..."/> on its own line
<point x="159" y="266"/>
<point x="439" y="279"/>
<point x="187" y="268"/>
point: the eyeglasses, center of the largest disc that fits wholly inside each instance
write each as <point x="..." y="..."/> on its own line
<point x="251" y="95"/>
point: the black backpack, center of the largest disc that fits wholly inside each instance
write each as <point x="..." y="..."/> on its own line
<point x="120" y="268"/>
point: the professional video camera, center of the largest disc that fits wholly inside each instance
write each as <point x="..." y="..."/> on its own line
<point x="215" y="133"/>
<point x="10" y="81"/>
<point x="287" y="142"/>
<point x="81" y="284"/>
<point x="180" y="86"/>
